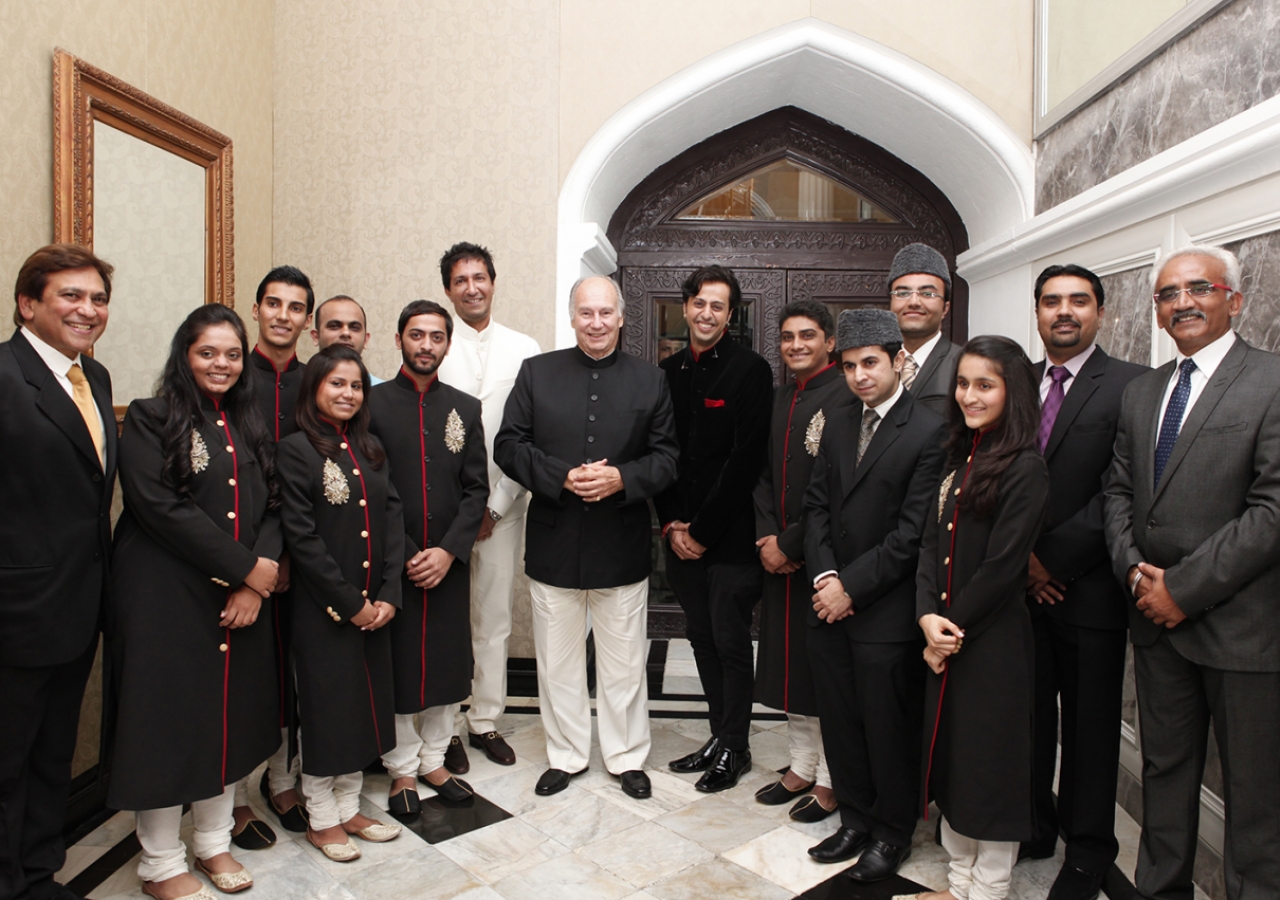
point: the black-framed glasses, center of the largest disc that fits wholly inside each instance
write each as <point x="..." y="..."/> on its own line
<point x="906" y="294"/>
<point x="1199" y="290"/>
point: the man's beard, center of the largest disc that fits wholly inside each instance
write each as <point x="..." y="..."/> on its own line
<point x="412" y="365"/>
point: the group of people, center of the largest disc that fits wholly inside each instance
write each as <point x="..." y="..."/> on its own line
<point x="315" y="569"/>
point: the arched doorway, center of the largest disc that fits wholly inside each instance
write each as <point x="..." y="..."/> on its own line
<point x="799" y="208"/>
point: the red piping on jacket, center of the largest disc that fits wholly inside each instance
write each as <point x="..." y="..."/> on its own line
<point x="368" y="574"/>
<point x="426" y="541"/>
<point x="226" y="632"/>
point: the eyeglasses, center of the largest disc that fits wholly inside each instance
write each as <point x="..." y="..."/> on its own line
<point x="1199" y="290"/>
<point x="906" y="294"/>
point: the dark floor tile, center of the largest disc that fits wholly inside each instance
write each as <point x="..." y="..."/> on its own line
<point x="842" y="887"/>
<point x="441" y="820"/>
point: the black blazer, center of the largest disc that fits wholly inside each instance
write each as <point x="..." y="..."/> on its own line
<point x="567" y="409"/>
<point x="55" y="533"/>
<point x="1073" y="545"/>
<point x="935" y="383"/>
<point x="865" y="520"/>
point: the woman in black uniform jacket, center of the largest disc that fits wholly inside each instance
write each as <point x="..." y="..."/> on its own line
<point x="971" y="585"/>
<point x="345" y="533"/>
<point x="189" y="631"/>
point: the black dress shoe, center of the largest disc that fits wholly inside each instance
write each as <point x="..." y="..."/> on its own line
<point x="494" y="747"/>
<point x="255" y="835"/>
<point x="553" y="781"/>
<point x="455" y="790"/>
<point x="724" y="773"/>
<point x="292" y="819"/>
<point x="846" y="843"/>
<point x="404" y="803"/>
<point x="635" y="783"/>
<point x="455" y="758"/>
<point x="1075" y="883"/>
<point x="699" y="760"/>
<point x="778" y="793"/>
<point x="1037" y="849"/>
<point x="879" y="861"/>
<point x="809" y="810"/>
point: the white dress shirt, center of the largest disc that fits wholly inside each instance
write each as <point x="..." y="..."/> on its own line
<point x="60" y="365"/>
<point x="1207" y="360"/>
<point x="484" y="364"/>
<point x="1073" y="365"/>
<point x="921" y="356"/>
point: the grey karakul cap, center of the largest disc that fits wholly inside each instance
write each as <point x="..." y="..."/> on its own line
<point x="919" y="258"/>
<point x="866" y="327"/>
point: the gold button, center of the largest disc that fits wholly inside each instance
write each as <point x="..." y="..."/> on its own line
<point x="355" y="471"/>
<point x="366" y="563"/>
<point x="970" y="459"/>
<point x="231" y="481"/>
<point x="362" y="503"/>
<point x="221" y="423"/>
<point x="947" y="561"/>
<point x="231" y="515"/>
<point x="364" y="593"/>
<point x="222" y="647"/>
<point x="944" y="595"/>
<point x="364" y="534"/>
<point x="957" y="492"/>
<point x="343" y="445"/>
<point x="948" y="526"/>
<point x="230" y="449"/>
<point x="329" y="610"/>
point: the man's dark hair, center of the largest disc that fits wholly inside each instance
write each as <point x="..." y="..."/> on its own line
<point x="1077" y="271"/>
<point x="712" y="275"/>
<point x="460" y="251"/>
<point x="35" y="272"/>
<point x="810" y="309"/>
<point x="425" y="308"/>
<point x="891" y="348"/>
<point x="287" y="275"/>
<point x="363" y="314"/>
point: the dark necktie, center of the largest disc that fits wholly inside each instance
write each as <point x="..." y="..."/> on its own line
<point x="1052" y="403"/>
<point x="1173" y="414"/>
<point x="869" y="419"/>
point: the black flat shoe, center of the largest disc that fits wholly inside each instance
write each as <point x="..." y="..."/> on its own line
<point x="404" y="803"/>
<point x="455" y="790"/>
<point x="1037" y="849"/>
<point x="292" y="819"/>
<point x="455" y="758"/>
<point x="809" y="810"/>
<point x="635" y="783"/>
<point x="846" y="843"/>
<point x="778" y="793"/>
<point x="879" y="861"/>
<point x="553" y="781"/>
<point x="729" y="766"/>
<point x="699" y="760"/>
<point x="255" y="835"/>
<point x="1075" y="883"/>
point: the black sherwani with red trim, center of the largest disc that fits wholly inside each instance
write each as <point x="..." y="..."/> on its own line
<point x="345" y="535"/>
<point x="783" y="676"/>
<point x="435" y="447"/>
<point x="197" y="705"/>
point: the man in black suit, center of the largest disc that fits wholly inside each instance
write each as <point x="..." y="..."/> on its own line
<point x="589" y="432"/>
<point x="1077" y="607"/>
<point x="720" y="392"/>
<point x="919" y="295"/>
<point x="874" y="483"/>
<point x="57" y="472"/>
<point x="1191" y="510"/>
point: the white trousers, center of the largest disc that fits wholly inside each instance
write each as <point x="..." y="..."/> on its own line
<point x="804" y="742"/>
<point x="281" y="776"/>
<point x="493" y="576"/>
<point x="980" y="870"/>
<point x="619" y="617"/>
<point x="333" y="799"/>
<point x="164" y="855"/>
<point x="421" y="741"/>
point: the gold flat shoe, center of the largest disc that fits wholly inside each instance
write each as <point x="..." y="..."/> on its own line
<point x="227" y="882"/>
<point x="203" y="894"/>
<point x="347" y="852"/>
<point x="379" y="832"/>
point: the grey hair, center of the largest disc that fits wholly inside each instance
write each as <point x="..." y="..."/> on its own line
<point x="617" y="292"/>
<point x="1230" y="263"/>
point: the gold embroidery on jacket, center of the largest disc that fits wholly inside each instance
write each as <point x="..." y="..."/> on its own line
<point x="454" y="433"/>
<point x="336" y="489"/>
<point x="813" y="434"/>
<point x="199" y="453"/>
<point x="942" y="494"/>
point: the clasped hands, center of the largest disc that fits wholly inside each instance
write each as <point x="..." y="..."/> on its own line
<point x="428" y="567"/>
<point x="831" y="603"/>
<point x="775" y="562"/>
<point x="594" y="481"/>
<point x="1154" y="599"/>
<point x="244" y="602"/>
<point x="944" y="637"/>
<point x="1042" y="585"/>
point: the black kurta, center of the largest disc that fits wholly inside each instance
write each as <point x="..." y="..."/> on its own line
<point x="345" y="535"/>
<point x="978" y="713"/>
<point x="197" y="706"/>
<point x="435" y="447"/>
<point x="784" y="679"/>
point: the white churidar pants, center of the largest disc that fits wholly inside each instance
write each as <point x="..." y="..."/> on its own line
<point x="164" y="855"/>
<point x="493" y="576"/>
<point x="281" y="776"/>
<point x="421" y="744"/>
<point x="804" y="742"/>
<point x="619" y="617"/>
<point x="980" y="870"/>
<point x="331" y="800"/>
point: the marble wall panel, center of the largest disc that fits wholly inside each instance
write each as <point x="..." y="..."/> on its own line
<point x="1259" y="320"/>
<point x="1126" y="329"/>
<point x="1229" y="63"/>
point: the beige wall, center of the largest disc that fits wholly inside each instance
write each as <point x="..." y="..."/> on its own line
<point x="212" y="61"/>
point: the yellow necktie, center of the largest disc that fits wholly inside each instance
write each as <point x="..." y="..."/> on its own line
<point x="910" y="369"/>
<point x="83" y="397"/>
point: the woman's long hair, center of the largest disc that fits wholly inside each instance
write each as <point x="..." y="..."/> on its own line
<point x="177" y="387"/>
<point x="1016" y="430"/>
<point x="324" y="436"/>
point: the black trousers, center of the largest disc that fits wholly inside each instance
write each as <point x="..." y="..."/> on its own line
<point x="717" y="600"/>
<point x="40" y="711"/>
<point x="1085" y="667"/>
<point x="871" y="705"/>
<point x="1177" y="699"/>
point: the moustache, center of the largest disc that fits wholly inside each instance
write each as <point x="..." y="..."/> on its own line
<point x="1067" y="321"/>
<point x="1183" y="315"/>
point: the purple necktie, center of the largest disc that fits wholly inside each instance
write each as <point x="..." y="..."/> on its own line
<point x="1052" y="403"/>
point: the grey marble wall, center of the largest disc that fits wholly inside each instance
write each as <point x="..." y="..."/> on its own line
<point x="1126" y="329"/>
<point x="1228" y="64"/>
<point x="1259" y="320"/>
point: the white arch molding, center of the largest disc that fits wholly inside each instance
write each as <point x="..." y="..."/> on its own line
<point x="970" y="153"/>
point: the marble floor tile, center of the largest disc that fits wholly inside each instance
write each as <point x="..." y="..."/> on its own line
<point x="110" y="832"/>
<point x="568" y="877"/>
<point x="682" y="684"/>
<point x="718" y="879"/>
<point x="640" y="895"/>
<point x="514" y="791"/>
<point x="1127" y="833"/>
<point x="123" y="883"/>
<point x="424" y="873"/>
<point x="285" y="872"/>
<point x="493" y="853"/>
<point x="79" y="857"/>
<point x="582" y="818"/>
<point x="698" y="729"/>
<point x="669" y="793"/>
<point x="716" y="824"/>
<point x="781" y="856"/>
<point x="769" y="750"/>
<point x="645" y="853"/>
<point x="668" y="744"/>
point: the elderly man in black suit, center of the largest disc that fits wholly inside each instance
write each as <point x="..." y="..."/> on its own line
<point x="589" y="432"/>
<point x="57" y="473"/>
<point x="1077" y="607"/>
<point x="1191" y="519"/>
<point x="874" y="483"/>
<point x="919" y="295"/>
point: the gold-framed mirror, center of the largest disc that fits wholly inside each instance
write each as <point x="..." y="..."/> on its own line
<point x="148" y="188"/>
